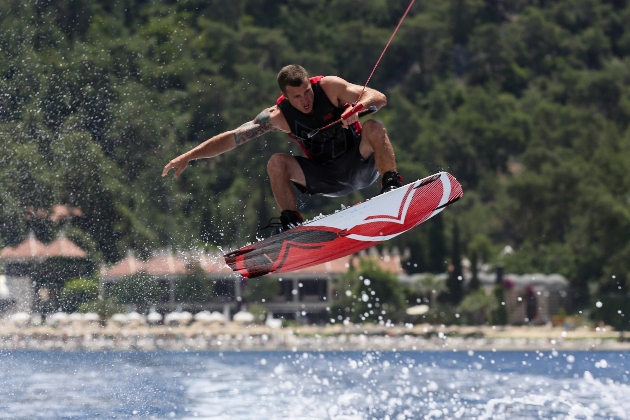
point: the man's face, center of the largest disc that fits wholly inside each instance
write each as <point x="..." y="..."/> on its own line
<point x="301" y="97"/>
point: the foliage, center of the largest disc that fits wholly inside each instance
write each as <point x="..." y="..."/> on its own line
<point x="138" y="289"/>
<point x="76" y="292"/>
<point x="442" y="313"/>
<point x="431" y="287"/>
<point x="455" y="280"/>
<point x="479" y="306"/>
<point x="479" y="251"/>
<point x="367" y="293"/>
<point x="526" y="103"/>
<point x="259" y="312"/>
<point x="105" y="308"/>
<point x="500" y="315"/>
<point x="613" y="311"/>
<point x="193" y="287"/>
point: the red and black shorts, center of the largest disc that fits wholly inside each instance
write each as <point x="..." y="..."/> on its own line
<point x="348" y="173"/>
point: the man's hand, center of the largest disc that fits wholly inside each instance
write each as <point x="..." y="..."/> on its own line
<point x="179" y="163"/>
<point x="350" y="115"/>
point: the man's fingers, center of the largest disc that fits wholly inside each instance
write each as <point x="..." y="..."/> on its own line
<point x="178" y="166"/>
<point x="346" y="122"/>
<point x="167" y="168"/>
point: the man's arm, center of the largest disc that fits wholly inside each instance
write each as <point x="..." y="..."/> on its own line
<point x="341" y="92"/>
<point x="270" y="119"/>
<point x="250" y="130"/>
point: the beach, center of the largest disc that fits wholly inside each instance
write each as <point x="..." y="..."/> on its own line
<point x="233" y="337"/>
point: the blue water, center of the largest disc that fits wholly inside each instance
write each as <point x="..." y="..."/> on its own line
<point x="315" y="385"/>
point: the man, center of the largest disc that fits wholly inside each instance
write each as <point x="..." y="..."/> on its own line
<point x="339" y="160"/>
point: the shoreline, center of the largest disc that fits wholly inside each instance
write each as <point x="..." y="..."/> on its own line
<point x="203" y="337"/>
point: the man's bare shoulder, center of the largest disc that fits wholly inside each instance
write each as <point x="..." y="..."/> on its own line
<point x="333" y="82"/>
<point x="339" y="91"/>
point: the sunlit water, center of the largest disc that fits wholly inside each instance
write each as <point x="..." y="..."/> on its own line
<point x="313" y="385"/>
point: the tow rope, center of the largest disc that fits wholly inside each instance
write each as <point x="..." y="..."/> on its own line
<point x="356" y="108"/>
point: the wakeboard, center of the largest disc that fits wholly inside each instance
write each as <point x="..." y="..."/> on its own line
<point x="349" y="230"/>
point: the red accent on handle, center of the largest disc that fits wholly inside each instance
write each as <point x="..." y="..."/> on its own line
<point x="357" y="108"/>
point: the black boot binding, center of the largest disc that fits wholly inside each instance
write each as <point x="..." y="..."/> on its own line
<point x="390" y="181"/>
<point x="288" y="219"/>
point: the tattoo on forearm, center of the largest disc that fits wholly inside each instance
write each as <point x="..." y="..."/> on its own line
<point x="252" y="129"/>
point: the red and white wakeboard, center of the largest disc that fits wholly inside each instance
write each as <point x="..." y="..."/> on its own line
<point x="348" y="231"/>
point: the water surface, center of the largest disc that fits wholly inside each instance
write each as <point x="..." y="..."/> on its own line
<point x="315" y="385"/>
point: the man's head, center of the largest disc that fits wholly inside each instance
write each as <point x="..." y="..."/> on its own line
<point x="294" y="84"/>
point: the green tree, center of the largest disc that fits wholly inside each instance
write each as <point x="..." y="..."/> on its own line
<point x="193" y="287"/>
<point x="430" y="286"/>
<point x="526" y="103"/>
<point x="479" y="250"/>
<point x="105" y="308"/>
<point x="77" y="292"/>
<point x="138" y="289"/>
<point x="455" y="280"/>
<point x="500" y="315"/>
<point x="367" y="293"/>
<point x="478" y="306"/>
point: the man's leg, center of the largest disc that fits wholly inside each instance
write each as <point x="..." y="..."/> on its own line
<point x="283" y="169"/>
<point x="374" y="140"/>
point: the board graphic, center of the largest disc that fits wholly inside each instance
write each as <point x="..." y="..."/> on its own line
<point x="349" y="230"/>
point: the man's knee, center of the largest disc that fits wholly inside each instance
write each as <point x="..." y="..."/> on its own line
<point x="277" y="164"/>
<point x="374" y="128"/>
<point x="281" y="164"/>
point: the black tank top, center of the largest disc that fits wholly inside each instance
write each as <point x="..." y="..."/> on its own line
<point x="327" y="145"/>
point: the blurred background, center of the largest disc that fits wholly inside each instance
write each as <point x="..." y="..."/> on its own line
<point x="525" y="102"/>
